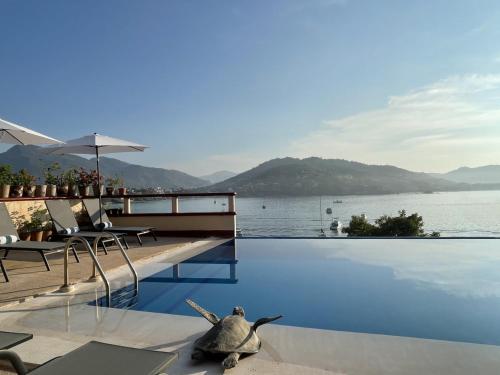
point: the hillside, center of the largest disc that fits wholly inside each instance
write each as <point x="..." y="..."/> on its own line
<point x="137" y="176"/>
<point x="219" y="176"/>
<point x="316" y="176"/>
<point x="489" y="174"/>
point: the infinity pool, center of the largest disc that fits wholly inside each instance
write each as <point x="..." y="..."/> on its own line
<point x="429" y="288"/>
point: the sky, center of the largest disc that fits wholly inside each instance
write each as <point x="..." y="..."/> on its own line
<point x="228" y="84"/>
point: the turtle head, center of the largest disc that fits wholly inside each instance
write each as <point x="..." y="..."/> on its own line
<point x="238" y="310"/>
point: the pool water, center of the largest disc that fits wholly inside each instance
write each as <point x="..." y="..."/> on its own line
<point x="430" y="288"/>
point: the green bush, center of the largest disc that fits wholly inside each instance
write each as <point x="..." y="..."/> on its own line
<point x="387" y="226"/>
<point x="5" y="175"/>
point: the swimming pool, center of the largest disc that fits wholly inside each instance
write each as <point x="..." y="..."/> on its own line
<point x="430" y="288"/>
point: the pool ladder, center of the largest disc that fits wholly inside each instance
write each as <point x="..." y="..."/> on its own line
<point x="67" y="287"/>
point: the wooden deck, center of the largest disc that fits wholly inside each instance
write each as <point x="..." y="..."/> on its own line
<point x="29" y="277"/>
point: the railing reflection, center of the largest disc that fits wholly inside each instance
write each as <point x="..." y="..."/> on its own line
<point x="224" y="254"/>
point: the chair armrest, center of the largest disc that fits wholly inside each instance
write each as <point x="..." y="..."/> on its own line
<point x="14" y="360"/>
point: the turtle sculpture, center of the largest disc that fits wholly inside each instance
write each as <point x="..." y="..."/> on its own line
<point x="231" y="336"/>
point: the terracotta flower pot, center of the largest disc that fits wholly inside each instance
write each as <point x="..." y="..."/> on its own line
<point x="37" y="236"/>
<point x="24" y="236"/>
<point x="41" y="190"/>
<point x="5" y="191"/>
<point x="16" y="191"/>
<point x="46" y="235"/>
<point x="95" y="190"/>
<point x="122" y="191"/>
<point x="52" y="191"/>
<point x="84" y="191"/>
<point x="73" y="191"/>
<point x="63" y="190"/>
<point x="29" y="191"/>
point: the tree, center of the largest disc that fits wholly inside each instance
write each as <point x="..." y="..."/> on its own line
<point x="387" y="226"/>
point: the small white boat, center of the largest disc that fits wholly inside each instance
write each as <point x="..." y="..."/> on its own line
<point x="336" y="225"/>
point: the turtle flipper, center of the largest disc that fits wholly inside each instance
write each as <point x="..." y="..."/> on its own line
<point x="262" y="321"/>
<point x="211" y="317"/>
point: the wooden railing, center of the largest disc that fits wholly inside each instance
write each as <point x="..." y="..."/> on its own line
<point x="174" y="198"/>
<point x="177" y="222"/>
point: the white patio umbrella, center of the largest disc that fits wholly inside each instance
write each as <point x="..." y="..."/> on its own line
<point x="95" y="144"/>
<point x="19" y="135"/>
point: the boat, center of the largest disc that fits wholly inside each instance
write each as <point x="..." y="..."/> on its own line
<point x="337" y="201"/>
<point x="263" y="206"/>
<point x="336" y="225"/>
<point x="329" y="211"/>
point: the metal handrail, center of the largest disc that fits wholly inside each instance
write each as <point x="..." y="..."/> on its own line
<point x="93" y="254"/>
<point x="122" y="250"/>
<point x="85" y="243"/>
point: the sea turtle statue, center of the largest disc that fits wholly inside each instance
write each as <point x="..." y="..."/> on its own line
<point x="231" y="335"/>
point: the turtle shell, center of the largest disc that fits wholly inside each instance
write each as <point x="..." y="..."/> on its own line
<point x="232" y="334"/>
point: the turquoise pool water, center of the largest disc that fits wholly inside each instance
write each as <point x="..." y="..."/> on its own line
<point x="437" y="289"/>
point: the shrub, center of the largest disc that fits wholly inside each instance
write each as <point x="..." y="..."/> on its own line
<point x="5" y="175"/>
<point x="387" y="226"/>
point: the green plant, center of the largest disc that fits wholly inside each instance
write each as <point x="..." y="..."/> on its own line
<point x="68" y="177"/>
<point x="387" y="226"/>
<point x="50" y="177"/>
<point x="37" y="222"/>
<point x="23" y="178"/>
<point x="113" y="181"/>
<point x="5" y="175"/>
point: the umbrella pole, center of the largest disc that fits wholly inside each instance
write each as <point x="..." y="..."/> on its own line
<point x="99" y="184"/>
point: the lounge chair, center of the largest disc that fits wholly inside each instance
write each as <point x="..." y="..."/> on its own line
<point x="66" y="225"/>
<point x="10" y="339"/>
<point x="92" y="207"/>
<point x="8" y="234"/>
<point x="97" y="358"/>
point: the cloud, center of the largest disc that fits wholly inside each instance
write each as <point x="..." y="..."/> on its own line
<point x="446" y="265"/>
<point x="455" y="121"/>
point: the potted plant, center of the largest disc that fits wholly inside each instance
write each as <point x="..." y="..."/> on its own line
<point x="36" y="226"/>
<point x="47" y="230"/>
<point x="5" y="180"/>
<point x="24" y="231"/>
<point x="51" y="180"/>
<point x="41" y="190"/>
<point x="19" y="181"/>
<point x="66" y="183"/>
<point x="97" y="183"/>
<point x="27" y="181"/>
<point x="84" y="180"/>
<point x="122" y="190"/>
<point x="111" y="184"/>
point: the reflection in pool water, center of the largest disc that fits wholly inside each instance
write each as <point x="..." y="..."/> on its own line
<point x="438" y="289"/>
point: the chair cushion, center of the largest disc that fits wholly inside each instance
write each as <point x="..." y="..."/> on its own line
<point x="70" y="230"/>
<point x="8" y="239"/>
<point x="104" y="225"/>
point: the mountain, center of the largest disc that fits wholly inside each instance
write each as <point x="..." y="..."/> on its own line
<point x="316" y="176"/>
<point x="489" y="174"/>
<point x="32" y="159"/>
<point x="219" y="176"/>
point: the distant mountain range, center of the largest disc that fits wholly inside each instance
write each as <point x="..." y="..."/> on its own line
<point x="32" y="159"/>
<point x="489" y="174"/>
<point x="277" y="177"/>
<point x="316" y="176"/>
<point x="219" y="176"/>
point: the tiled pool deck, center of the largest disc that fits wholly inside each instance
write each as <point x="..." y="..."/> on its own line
<point x="61" y="323"/>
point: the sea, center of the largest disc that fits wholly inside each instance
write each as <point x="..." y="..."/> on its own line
<point x="462" y="214"/>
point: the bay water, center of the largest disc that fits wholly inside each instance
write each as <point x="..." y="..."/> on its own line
<point x="471" y="213"/>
